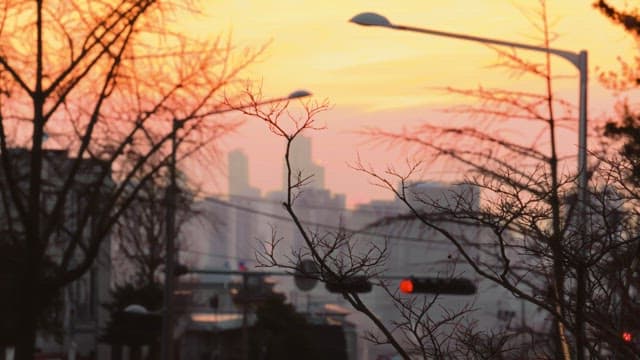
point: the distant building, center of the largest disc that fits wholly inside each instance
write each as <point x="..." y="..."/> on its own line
<point x="238" y="167"/>
<point x="81" y="312"/>
<point x="243" y="222"/>
<point x="210" y="235"/>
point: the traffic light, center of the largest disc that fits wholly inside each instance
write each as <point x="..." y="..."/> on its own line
<point x="406" y="286"/>
<point x="627" y="337"/>
<point x="429" y="285"/>
<point x="354" y="284"/>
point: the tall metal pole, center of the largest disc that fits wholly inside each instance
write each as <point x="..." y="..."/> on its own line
<point x="167" y="351"/>
<point x="582" y="278"/>
<point x="245" y="320"/>
<point x="583" y="175"/>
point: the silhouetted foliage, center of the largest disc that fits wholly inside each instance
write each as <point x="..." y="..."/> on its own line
<point x="627" y="128"/>
<point x="148" y="295"/>
<point x="629" y="74"/>
<point x="628" y="19"/>
<point x="628" y="131"/>
<point x="621" y="268"/>
<point x="282" y="333"/>
<point x="133" y="329"/>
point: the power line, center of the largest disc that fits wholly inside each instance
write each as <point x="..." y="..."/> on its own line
<point x="215" y="255"/>
<point x="311" y="223"/>
<point x="304" y="206"/>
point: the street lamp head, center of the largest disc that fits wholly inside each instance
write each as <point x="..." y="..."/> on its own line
<point x="299" y="94"/>
<point x="371" y="19"/>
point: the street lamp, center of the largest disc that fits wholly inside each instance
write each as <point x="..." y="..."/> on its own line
<point x="579" y="60"/>
<point x="167" y="321"/>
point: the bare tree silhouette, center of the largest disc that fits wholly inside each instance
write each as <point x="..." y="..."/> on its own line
<point x="344" y="259"/>
<point x="538" y="249"/>
<point x="101" y="82"/>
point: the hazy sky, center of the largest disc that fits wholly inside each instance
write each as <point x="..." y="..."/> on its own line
<point x="383" y="78"/>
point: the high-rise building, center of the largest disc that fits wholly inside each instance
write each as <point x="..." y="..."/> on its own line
<point x="210" y="235"/>
<point x="238" y="167"/>
<point x="244" y="222"/>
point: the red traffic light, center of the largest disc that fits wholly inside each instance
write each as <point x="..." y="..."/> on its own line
<point x="406" y="286"/>
<point x="627" y="336"/>
<point x="434" y="285"/>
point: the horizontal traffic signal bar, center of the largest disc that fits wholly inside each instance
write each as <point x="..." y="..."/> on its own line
<point x="362" y="284"/>
<point x="355" y="284"/>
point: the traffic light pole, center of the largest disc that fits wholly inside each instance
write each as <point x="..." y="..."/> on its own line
<point x="245" y="325"/>
<point x="167" y="352"/>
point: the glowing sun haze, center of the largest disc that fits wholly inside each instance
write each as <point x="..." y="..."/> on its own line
<point x="378" y="77"/>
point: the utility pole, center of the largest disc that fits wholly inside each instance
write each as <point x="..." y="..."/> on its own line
<point x="167" y="352"/>
<point x="245" y="313"/>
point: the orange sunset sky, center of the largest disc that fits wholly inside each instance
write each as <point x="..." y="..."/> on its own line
<point x="383" y="78"/>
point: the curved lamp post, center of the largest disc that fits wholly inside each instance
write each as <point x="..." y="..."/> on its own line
<point x="167" y="321"/>
<point x="579" y="60"/>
